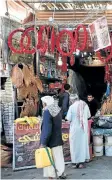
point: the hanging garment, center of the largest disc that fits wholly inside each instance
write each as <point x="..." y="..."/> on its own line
<point x="17" y="76"/>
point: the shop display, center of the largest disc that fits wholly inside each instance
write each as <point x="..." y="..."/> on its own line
<point x="108" y="73"/>
<point x="92" y="61"/>
<point x="28" y="87"/>
<point x="41" y="33"/>
<point x="51" y="76"/>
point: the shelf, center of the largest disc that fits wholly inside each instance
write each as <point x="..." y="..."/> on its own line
<point x="47" y="94"/>
<point x="98" y="65"/>
<point x="50" y="58"/>
<point x="20" y="101"/>
<point x="49" y="79"/>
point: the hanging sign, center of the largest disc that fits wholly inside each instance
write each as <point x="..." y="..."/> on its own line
<point x="99" y="34"/>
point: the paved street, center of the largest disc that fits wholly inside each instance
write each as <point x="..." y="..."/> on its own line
<point x="99" y="168"/>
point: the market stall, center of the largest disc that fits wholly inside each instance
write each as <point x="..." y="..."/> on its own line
<point x="41" y="56"/>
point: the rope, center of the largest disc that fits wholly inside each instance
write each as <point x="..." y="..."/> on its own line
<point x="52" y="162"/>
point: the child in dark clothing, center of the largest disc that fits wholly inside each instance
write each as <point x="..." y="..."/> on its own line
<point x="64" y="100"/>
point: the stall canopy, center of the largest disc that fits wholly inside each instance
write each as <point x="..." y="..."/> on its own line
<point x="63" y="12"/>
<point x="71" y="12"/>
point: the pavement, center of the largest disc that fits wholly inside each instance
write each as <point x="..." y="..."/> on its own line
<point x="99" y="168"/>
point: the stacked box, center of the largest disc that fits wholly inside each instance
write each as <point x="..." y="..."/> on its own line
<point x="8" y="112"/>
<point x="8" y="118"/>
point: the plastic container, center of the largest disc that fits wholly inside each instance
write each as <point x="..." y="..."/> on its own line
<point x="108" y="145"/>
<point x="98" y="150"/>
<point x="108" y="140"/>
<point x="108" y="150"/>
<point x="42" y="159"/>
<point x="97" y="140"/>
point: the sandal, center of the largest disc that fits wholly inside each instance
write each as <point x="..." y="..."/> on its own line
<point x="81" y="166"/>
<point x="75" y="166"/>
<point x="63" y="176"/>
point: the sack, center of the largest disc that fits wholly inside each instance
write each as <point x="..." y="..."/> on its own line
<point x="42" y="159"/>
<point x="105" y="122"/>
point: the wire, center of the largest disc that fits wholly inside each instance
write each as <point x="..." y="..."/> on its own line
<point x="54" y="10"/>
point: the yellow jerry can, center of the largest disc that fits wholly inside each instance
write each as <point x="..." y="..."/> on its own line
<point x="43" y="157"/>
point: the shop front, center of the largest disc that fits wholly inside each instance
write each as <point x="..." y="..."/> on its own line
<point x="40" y="58"/>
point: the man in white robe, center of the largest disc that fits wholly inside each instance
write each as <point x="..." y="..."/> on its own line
<point x="78" y="115"/>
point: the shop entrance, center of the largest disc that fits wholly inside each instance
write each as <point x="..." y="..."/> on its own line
<point x="94" y="79"/>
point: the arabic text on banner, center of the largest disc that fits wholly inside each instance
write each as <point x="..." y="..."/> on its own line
<point x="100" y="34"/>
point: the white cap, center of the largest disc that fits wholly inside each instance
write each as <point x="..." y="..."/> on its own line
<point x="48" y="100"/>
<point x="74" y="96"/>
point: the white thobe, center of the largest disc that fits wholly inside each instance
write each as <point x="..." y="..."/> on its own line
<point x="79" y="146"/>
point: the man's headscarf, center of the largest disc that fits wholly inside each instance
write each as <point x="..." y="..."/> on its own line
<point x="48" y="100"/>
<point x="80" y="109"/>
<point x="74" y="97"/>
<point x="52" y="105"/>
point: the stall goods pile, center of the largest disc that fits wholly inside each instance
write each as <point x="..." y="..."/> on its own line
<point x="105" y="121"/>
<point x="23" y="75"/>
<point x="5" y="156"/>
<point x="107" y="106"/>
<point x="29" y="108"/>
<point x="28" y="120"/>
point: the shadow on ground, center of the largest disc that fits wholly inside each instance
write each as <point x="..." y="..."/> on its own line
<point x="99" y="168"/>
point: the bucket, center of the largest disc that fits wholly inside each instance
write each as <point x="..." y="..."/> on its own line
<point x="108" y="150"/>
<point x="97" y="140"/>
<point x="98" y="150"/>
<point x="108" y="140"/>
